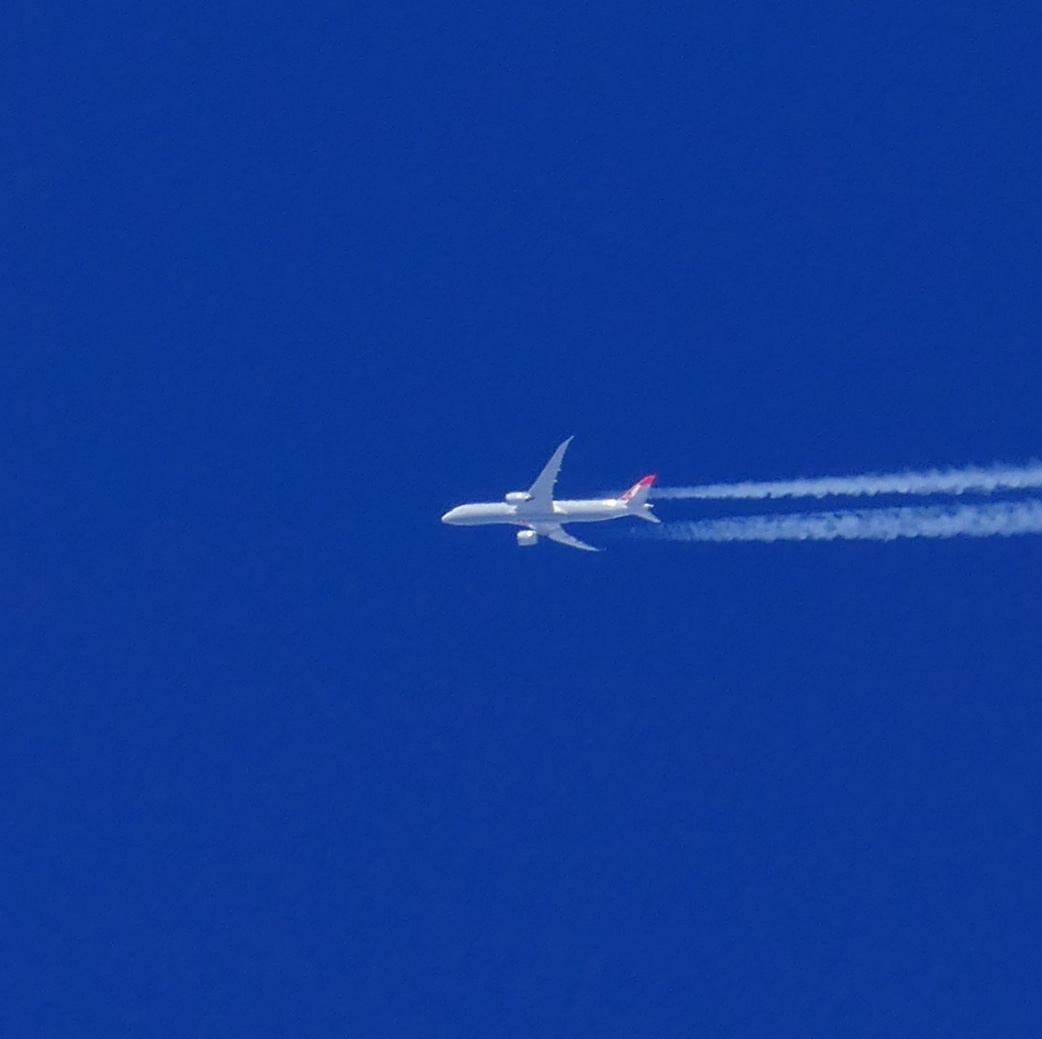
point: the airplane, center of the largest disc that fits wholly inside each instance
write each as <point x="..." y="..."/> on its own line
<point x="536" y="510"/>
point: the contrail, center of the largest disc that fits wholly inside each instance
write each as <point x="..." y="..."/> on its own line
<point x="998" y="519"/>
<point x="932" y="481"/>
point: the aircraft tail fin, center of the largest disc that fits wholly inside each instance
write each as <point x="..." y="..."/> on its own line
<point x="636" y="500"/>
<point x="638" y="494"/>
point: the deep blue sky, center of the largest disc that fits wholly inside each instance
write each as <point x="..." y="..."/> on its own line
<point x="282" y="755"/>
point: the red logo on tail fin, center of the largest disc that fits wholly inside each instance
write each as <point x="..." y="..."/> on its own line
<point x="646" y="482"/>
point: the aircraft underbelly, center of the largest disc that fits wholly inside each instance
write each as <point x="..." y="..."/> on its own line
<point x="563" y="512"/>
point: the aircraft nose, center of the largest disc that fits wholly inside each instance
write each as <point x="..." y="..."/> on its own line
<point x="449" y="517"/>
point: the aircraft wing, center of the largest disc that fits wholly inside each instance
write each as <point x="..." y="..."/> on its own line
<point x="562" y="537"/>
<point x="542" y="491"/>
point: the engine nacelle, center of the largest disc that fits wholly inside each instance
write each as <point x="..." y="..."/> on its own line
<point x="517" y="497"/>
<point x="527" y="537"/>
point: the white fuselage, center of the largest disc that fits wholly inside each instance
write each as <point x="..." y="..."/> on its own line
<point x="589" y="511"/>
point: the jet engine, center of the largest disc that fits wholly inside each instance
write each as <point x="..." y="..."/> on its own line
<point x="517" y="497"/>
<point x="527" y="537"/>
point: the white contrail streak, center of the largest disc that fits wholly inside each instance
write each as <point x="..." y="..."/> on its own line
<point x="933" y="481"/>
<point x="998" y="519"/>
